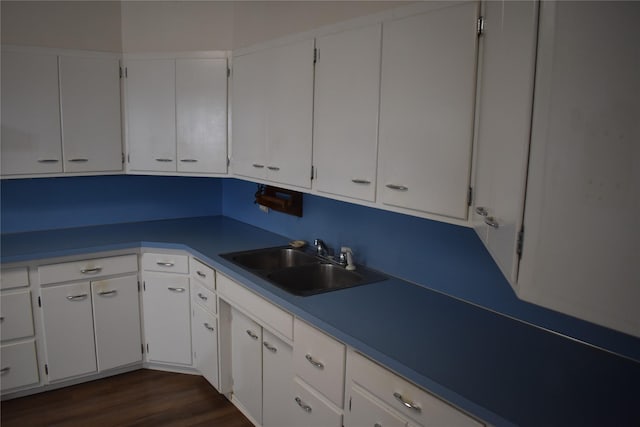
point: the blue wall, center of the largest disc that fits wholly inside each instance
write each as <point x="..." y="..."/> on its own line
<point x="443" y="257"/>
<point x="48" y="203"/>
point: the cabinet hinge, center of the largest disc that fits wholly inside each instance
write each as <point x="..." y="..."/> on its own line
<point x="39" y="302"/>
<point x="123" y="158"/>
<point x="121" y="73"/>
<point x="349" y="404"/>
<point x="480" y="26"/>
<point x="470" y="196"/>
<point x="126" y="72"/>
<point x="228" y="161"/>
<point x="144" y="286"/>
<point x="141" y="348"/>
<point x="147" y="348"/>
<point x="138" y="285"/>
<point x="316" y="55"/>
<point x="312" y="170"/>
<point x="520" y="242"/>
<point x="46" y="369"/>
<point x="228" y="72"/>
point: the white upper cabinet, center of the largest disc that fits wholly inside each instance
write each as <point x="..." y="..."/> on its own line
<point x="582" y="239"/>
<point x="90" y="99"/>
<point x="503" y="127"/>
<point x="151" y="114"/>
<point x="272" y="94"/>
<point x="201" y="115"/>
<point x="426" y="110"/>
<point x="347" y="89"/>
<point x="31" y="141"/>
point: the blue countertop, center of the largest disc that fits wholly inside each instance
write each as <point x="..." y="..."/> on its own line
<point x="499" y="369"/>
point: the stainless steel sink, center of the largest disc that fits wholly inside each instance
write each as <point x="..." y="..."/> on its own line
<point x="299" y="272"/>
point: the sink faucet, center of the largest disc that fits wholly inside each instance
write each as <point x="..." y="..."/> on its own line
<point x="321" y="248"/>
<point x="346" y="258"/>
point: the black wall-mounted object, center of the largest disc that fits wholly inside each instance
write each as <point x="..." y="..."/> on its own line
<point x="280" y="199"/>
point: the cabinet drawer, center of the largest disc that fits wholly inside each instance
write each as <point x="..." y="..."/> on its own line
<point x="269" y="315"/>
<point x="366" y="410"/>
<point x="19" y="365"/>
<point x="168" y="263"/>
<point x="311" y="409"/>
<point x="204" y="296"/>
<point x="319" y="360"/>
<point x="87" y="269"/>
<point x="202" y="273"/>
<point x="17" y="319"/>
<point x="14" y="278"/>
<point x="425" y="408"/>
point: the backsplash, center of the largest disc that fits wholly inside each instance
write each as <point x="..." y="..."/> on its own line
<point x="48" y="203"/>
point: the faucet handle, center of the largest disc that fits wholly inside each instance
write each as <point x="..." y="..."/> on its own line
<point x="346" y="257"/>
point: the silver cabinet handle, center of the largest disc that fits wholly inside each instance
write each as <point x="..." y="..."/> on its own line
<point x="273" y="168"/>
<point x="491" y="222"/>
<point x="482" y="211"/>
<point x="77" y="297"/>
<point x="165" y="264"/>
<point x="314" y="362"/>
<point x="107" y="293"/>
<point x="269" y="347"/>
<point x="303" y="405"/>
<point x="407" y="403"/>
<point x="252" y="335"/>
<point x="377" y="425"/>
<point x="164" y="160"/>
<point x="79" y="160"/>
<point x="5" y="370"/>
<point x="48" y="160"/>
<point x="188" y="160"/>
<point x="179" y="290"/>
<point x="202" y="297"/>
<point x="360" y="181"/>
<point x="397" y="187"/>
<point x="208" y="326"/>
<point x="93" y="270"/>
<point x="258" y="165"/>
<point x="201" y="274"/>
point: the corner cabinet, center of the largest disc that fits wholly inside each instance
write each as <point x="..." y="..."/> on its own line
<point x="176" y="113"/>
<point x="427" y="110"/>
<point x="272" y="98"/>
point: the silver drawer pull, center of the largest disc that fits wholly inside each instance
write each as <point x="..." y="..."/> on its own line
<point x="201" y="274"/>
<point x="251" y="334"/>
<point x="314" y="362"/>
<point x="202" y="297"/>
<point x="179" y="290"/>
<point x="188" y="160"/>
<point x="360" y="181"/>
<point x="303" y="405"/>
<point x="208" y="326"/>
<point x="258" y="165"/>
<point x="48" y="161"/>
<point x="407" y="403"/>
<point x="164" y="160"/>
<point x="165" y="264"/>
<point x="491" y="222"/>
<point x="77" y="297"/>
<point x="107" y="293"/>
<point x="5" y="370"/>
<point x="273" y="168"/>
<point x="93" y="270"/>
<point x="482" y="211"/>
<point x="78" y="160"/>
<point x="377" y="425"/>
<point x="269" y="347"/>
<point x="397" y="187"/>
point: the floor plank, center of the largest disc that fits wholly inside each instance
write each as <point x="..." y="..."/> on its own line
<point x="139" y="398"/>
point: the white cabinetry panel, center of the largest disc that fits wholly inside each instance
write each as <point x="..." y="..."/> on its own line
<point x="19" y="365"/>
<point x="277" y="381"/>
<point x="17" y="317"/>
<point x="426" y="110"/>
<point x="205" y="344"/>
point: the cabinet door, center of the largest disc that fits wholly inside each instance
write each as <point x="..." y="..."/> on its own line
<point x="289" y="110"/>
<point x="248" y="139"/>
<point x="116" y="315"/>
<point x="311" y="410"/>
<point x="277" y="381"/>
<point x="426" y="110"/>
<point x="345" y="145"/>
<point x="201" y="115"/>
<point x="582" y="239"/>
<point x="366" y="410"/>
<point x="151" y="114"/>
<point x="17" y="317"/>
<point x="68" y="330"/>
<point x="504" y="125"/>
<point x="19" y="365"/>
<point x="30" y="114"/>
<point x="246" y="364"/>
<point x="167" y="318"/>
<point x="205" y="344"/>
<point x="90" y="99"/>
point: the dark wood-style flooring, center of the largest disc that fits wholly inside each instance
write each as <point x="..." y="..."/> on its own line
<point x="139" y="398"/>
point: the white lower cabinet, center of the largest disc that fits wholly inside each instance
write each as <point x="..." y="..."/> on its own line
<point x="205" y="344"/>
<point x="366" y="410"/>
<point x="19" y="366"/>
<point x="167" y="319"/>
<point x="277" y="382"/>
<point x="313" y="410"/>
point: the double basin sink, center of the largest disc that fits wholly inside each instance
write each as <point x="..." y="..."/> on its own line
<point x="299" y="272"/>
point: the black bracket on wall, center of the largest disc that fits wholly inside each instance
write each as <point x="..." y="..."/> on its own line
<point x="280" y="199"/>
